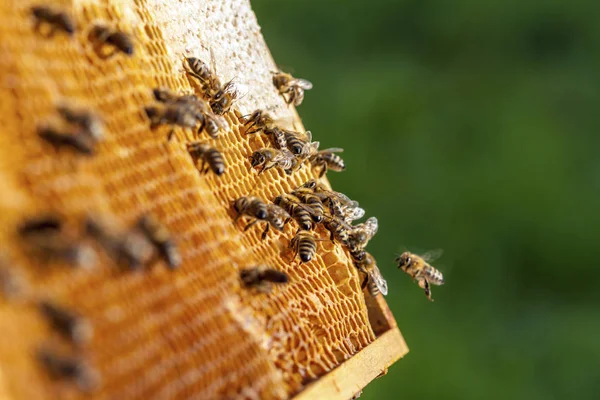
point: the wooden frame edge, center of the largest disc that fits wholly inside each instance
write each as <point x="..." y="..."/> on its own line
<point x="358" y="371"/>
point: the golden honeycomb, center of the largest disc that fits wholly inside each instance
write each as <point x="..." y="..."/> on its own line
<point x="189" y="333"/>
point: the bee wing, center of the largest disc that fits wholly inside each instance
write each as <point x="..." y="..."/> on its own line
<point x="275" y="210"/>
<point x="342" y="198"/>
<point x="353" y="213"/>
<point x="309" y="136"/>
<point x="432" y="255"/>
<point x="332" y="150"/>
<point x="375" y="274"/>
<point x="371" y="226"/>
<point x="283" y="154"/>
<point x="301" y="83"/>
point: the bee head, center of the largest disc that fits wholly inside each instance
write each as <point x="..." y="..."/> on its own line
<point x="404" y="261"/>
<point x="240" y="204"/>
<point x="151" y="111"/>
<point x="257" y="159"/>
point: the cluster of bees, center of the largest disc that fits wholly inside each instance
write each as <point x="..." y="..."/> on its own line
<point x="49" y="240"/>
<point x="310" y="206"/>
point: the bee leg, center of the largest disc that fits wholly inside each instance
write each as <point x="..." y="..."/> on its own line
<point x="170" y="134"/>
<point x="425" y="285"/>
<point x="264" y="234"/>
<point x="195" y="75"/>
<point x="201" y="128"/>
<point x="364" y="282"/>
<point x="323" y="171"/>
<point x="203" y="170"/>
<point x="250" y="224"/>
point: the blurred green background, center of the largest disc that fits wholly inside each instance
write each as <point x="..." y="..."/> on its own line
<point x="472" y="126"/>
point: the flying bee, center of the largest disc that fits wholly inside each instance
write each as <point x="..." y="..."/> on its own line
<point x="85" y="120"/>
<point x="360" y="235"/>
<point x="131" y="248"/>
<point x="68" y="367"/>
<point x="83" y="144"/>
<point x="338" y="229"/>
<point x="119" y="41"/>
<point x="419" y="269"/>
<point x="57" y="20"/>
<point x="69" y="324"/>
<point x="373" y="277"/>
<point x="159" y="236"/>
<point x="313" y="201"/>
<point x="300" y="212"/>
<point x="262" y="278"/>
<point x="210" y="156"/>
<point x="305" y="245"/>
<point x="222" y="100"/>
<point x="294" y="88"/>
<point x="269" y="158"/>
<point x="327" y="159"/>
<point x="277" y="217"/>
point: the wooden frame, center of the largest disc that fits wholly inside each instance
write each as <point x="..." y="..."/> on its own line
<point x="371" y="362"/>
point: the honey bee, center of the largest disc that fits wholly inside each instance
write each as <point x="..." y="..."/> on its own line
<point x="69" y="324"/>
<point x="300" y="146"/>
<point x="68" y="367"/>
<point x="166" y="96"/>
<point x="131" y="248"/>
<point x="86" y="121"/>
<point x="250" y="206"/>
<point x="278" y="137"/>
<point x="83" y="144"/>
<point x="340" y="205"/>
<point x="57" y="20"/>
<point x="201" y="71"/>
<point x="327" y="159"/>
<point x="305" y="245"/>
<point x="262" y="278"/>
<point x="294" y="88"/>
<point x="313" y="201"/>
<point x="160" y="237"/>
<point x="188" y="106"/>
<point x="44" y="236"/>
<point x="338" y="229"/>
<point x="420" y="270"/>
<point x="277" y="217"/>
<point x="360" y="235"/>
<point x="222" y="100"/>
<point x="256" y="122"/>
<point x="269" y="158"/>
<point x="174" y="114"/>
<point x="301" y="213"/>
<point x="366" y="264"/>
<point x="210" y="156"/>
<point x="119" y="41"/>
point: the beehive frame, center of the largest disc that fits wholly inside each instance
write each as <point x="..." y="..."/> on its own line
<point x="154" y="335"/>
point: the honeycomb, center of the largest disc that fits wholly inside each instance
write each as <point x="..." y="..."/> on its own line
<point x="189" y="333"/>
